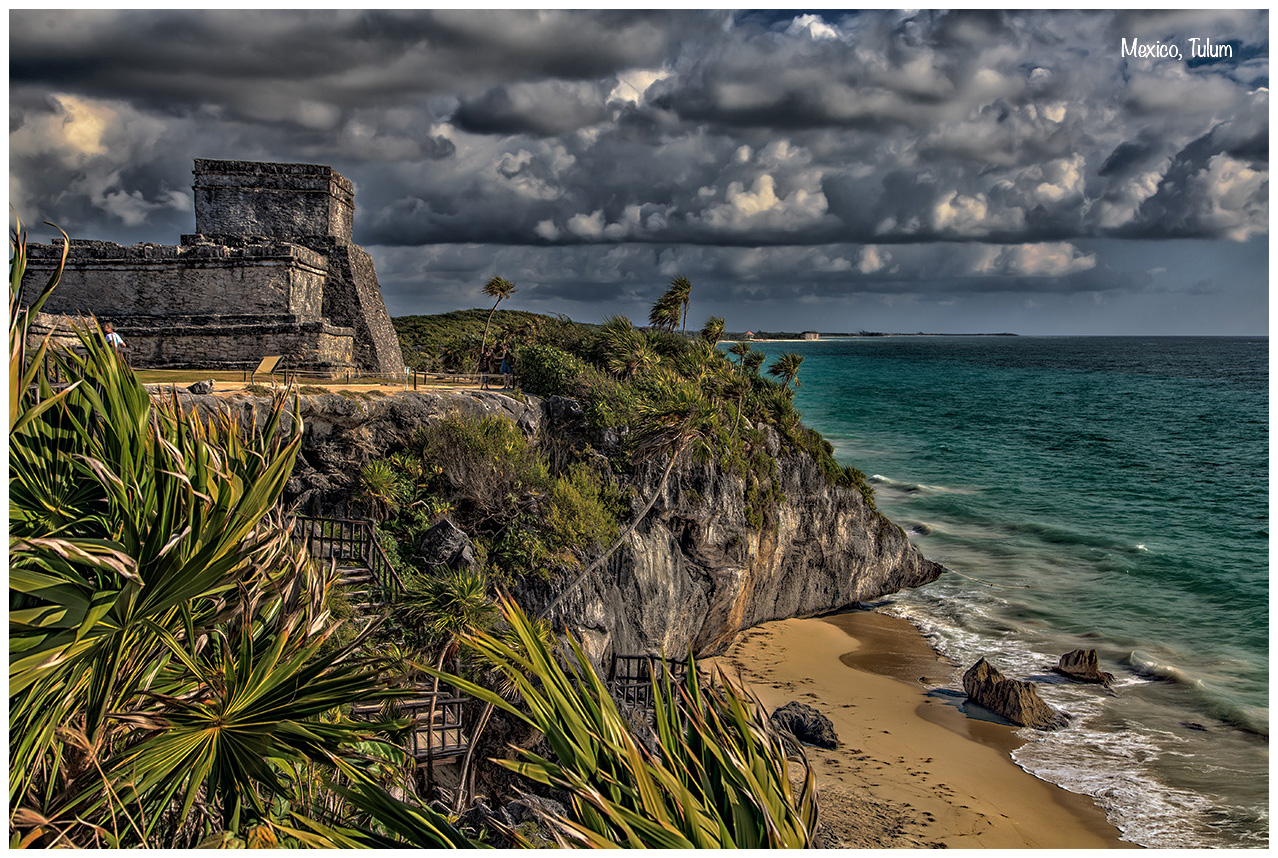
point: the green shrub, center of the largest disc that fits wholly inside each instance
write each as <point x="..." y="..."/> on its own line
<point x="519" y="550"/>
<point x="583" y="510"/>
<point x="484" y="461"/>
<point x="547" y="370"/>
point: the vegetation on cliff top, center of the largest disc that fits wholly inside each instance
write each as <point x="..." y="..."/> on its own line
<point x="621" y="373"/>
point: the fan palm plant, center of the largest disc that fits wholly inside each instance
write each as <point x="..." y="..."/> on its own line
<point x="626" y="351"/>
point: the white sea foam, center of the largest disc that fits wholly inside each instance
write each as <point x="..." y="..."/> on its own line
<point x="1114" y="762"/>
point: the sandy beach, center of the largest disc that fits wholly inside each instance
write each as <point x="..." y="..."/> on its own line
<point x="911" y="769"/>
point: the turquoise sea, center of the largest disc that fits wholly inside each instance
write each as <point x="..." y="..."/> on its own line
<point x="1096" y="492"/>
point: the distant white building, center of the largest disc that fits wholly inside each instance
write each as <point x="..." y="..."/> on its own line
<point x="811" y="335"/>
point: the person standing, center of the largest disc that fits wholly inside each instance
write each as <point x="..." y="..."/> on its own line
<point x="506" y="369"/>
<point x="114" y="340"/>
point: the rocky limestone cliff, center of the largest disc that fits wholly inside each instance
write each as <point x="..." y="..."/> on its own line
<point x="696" y="572"/>
<point x="693" y="574"/>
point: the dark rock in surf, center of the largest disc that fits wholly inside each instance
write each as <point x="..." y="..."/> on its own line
<point x="1084" y="666"/>
<point x="1013" y="699"/>
<point x="806" y="724"/>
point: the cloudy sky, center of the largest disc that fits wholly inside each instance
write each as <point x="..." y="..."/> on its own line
<point x="898" y="171"/>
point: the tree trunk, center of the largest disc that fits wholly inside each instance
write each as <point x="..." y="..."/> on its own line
<point x="484" y="340"/>
<point x="466" y="778"/>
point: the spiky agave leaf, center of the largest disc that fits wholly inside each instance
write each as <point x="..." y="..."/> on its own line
<point x="717" y="779"/>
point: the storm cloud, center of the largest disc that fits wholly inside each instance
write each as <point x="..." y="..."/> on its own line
<point x="777" y="159"/>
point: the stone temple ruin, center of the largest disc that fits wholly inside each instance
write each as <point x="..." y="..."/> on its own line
<point x="270" y="270"/>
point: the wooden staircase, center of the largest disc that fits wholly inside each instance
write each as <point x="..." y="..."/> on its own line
<point x="366" y="578"/>
<point x="363" y="573"/>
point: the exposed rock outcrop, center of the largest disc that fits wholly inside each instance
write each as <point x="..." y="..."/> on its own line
<point x="806" y="724"/>
<point x="1083" y="665"/>
<point x="1013" y="699"/>
<point x="446" y="544"/>
<point x="695" y="572"/>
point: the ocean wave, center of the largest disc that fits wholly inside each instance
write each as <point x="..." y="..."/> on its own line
<point x="1112" y="767"/>
<point x="914" y="488"/>
<point x="1152" y="668"/>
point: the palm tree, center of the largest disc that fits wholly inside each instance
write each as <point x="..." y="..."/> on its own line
<point x="681" y="291"/>
<point x="501" y="289"/>
<point x="448" y="606"/>
<point x="753" y="361"/>
<point x="738" y="387"/>
<point x="712" y="331"/>
<point x="740" y="349"/>
<point x="666" y="311"/>
<point x="786" y="368"/>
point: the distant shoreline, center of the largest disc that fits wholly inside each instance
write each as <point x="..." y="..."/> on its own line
<point x="786" y="337"/>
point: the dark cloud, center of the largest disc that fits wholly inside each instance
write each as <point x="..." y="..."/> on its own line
<point x="746" y="145"/>
<point x="543" y="109"/>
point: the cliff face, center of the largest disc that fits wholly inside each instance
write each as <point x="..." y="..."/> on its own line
<point x="694" y="573"/>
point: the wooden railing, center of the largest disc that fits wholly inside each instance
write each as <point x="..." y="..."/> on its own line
<point x="352" y="541"/>
<point x="483" y="379"/>
<point x="433" y="735"/>
<point x="630" y="679"/>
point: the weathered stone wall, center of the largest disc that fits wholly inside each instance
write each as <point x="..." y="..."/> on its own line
<point x="352" y="297"/>
<point x="311" y="346"/>
<point x="279" y="200"/>
<point x="114" y="282"/>
<point x="217" y="342"/>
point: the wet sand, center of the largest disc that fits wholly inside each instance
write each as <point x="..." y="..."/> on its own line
<point x="911" y="769"/>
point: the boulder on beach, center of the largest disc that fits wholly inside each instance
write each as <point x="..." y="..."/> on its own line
<point x="806" y="724"/>
<point x="1013" y="699"/>
<point x="1083" y="666"/>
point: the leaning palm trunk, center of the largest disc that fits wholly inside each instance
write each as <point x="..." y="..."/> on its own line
<point x="466" y="780"/>
<point x="483" y="343"/>
<point x="625" y="535"/>
<point x="467" y="775"/>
